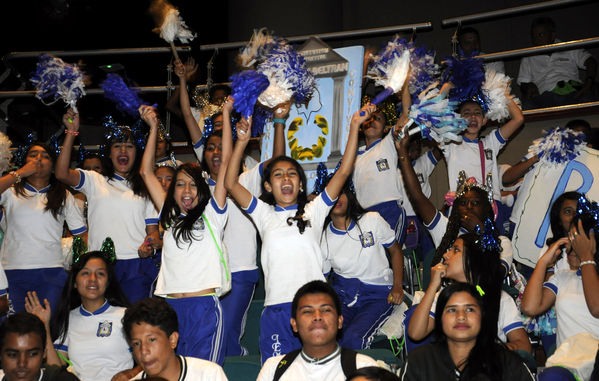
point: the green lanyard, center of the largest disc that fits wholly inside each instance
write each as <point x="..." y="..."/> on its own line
<point x="222" y="258"/>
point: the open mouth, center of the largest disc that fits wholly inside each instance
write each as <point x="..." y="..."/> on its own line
<point x="122" y="160"/>
<point x="187" y="203"/>
<point x="216" y="162"/>
<point x="287" y="189"/>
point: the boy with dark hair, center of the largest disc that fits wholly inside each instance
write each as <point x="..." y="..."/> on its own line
<point x="469" y="43"/>
<point x="22" y="350"/>
<point x="315" y="317"/>
<point x="151" y="327"/>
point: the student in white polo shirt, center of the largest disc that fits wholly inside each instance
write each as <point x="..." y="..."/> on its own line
<point x="290" y="228"/>
<point x="194" y="264"/>
<point x="355" y="243"/>
<point x="119" y="206"/>
<point x="85" y="331"/>
<point x="36" y="205"/>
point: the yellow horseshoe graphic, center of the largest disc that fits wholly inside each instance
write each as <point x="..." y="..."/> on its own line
<point x="304" y="153"/>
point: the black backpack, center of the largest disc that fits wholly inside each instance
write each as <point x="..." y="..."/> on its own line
<point x="348" y="362"/>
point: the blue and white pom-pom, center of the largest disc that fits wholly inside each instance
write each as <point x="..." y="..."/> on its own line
<point x="559" y="145"/>
<point x="423" y="69"/>
<point x="5" y="152"/>
<point x="124" y="97"/>
<point x="434" y="115"/>
<point x="496" y="88"/>
<point x="288" y="77"/>
<point x="468" y="76"/>
<point x="54" y="79"/>
<point x="246" y="87"/>
<point x="390" y="70"/>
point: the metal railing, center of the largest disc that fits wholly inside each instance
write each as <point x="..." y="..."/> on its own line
<point x="509" y="11"/>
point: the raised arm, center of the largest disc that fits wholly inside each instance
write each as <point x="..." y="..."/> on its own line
<point x="220" y="192"/>
<point x="195" y="132"/>
<point x="536" y="298"/>
<point x="43" y="312"/>
<point x="148" y="114"/>
<point x="516" y="119"/>
<point x="63" y="170"/>
<point x="232" y="185"/>
<point x="335" y="185"/>
<point x="422" y="205"/>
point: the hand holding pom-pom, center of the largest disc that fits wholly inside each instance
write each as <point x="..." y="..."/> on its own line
<point x="243" y="128"/>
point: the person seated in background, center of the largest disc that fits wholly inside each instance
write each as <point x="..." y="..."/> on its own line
<point x="22" y="351"/>
<point x="469" y="43"/>
<point x="548" y="80"/>
<point x="315" y="317"/>
<point x="151" y="326"/>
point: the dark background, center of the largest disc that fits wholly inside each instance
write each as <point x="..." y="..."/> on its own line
<point x="50" y="25"/>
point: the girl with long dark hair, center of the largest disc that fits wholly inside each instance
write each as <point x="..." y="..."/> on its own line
<point x="466" y="346"/>
<point x="193" y="258"/>
<point x="85" y="330"/>
<point x="475" y="262"/>
<point x="36" y="206"/>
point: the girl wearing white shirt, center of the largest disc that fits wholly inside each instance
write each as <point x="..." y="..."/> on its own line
<point x="36" y="207"/>
<point x="118" y="206"/>
<point x="290" y="228"/>
<point x="192" y="256"/>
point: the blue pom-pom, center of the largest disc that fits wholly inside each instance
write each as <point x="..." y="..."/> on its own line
<point x="124" y="97"/>
<point x="261" y="116"/>
<point x="467" y="75"/>
<point x="55" y="79"/>
<point x="246" y="87"/>
<point x="322" y="175"/>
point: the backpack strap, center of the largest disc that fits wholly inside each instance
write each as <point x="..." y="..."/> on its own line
<point x="348" y="361"/>
<point x="285" y="363"/>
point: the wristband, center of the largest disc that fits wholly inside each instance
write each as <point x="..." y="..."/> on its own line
<point x="15" y="175"/>
<point x="72" y="133"/>
<point x="591" y="262"/>
<point x="279" y="120"/>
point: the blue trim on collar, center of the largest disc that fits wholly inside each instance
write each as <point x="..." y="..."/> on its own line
<point x="282" y="209"/>
<point x="117" y="177"/>
<point x="85" y="312"/>
<point x="373" y="144"/>
<point x="211" y="182"/>
<point x="341" y="232"/>
<point x="30" y="188"/>
<point x="468" y="140"/>
<point x="166" y="158"/>
<point x="579" y="272"/>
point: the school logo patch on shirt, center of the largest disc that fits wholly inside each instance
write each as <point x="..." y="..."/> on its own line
<point x="367" y="239"/>
<point x="199" y="224"/>
<point x="420" y="178"/>
<point x="104" y="329"/>
<point x="382" y="165"/>
<point x="489" y="154"/>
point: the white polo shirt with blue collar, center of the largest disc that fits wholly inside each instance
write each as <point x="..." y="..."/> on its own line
<point x="375" y="175"/>
<point x="359" y="251"/>
<point x="289" y="258"/>
<point x="466" y="156"/>
<point x="95" y="343"/>
<point x="115" y="211"/>
<point x="32" y="239"/>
